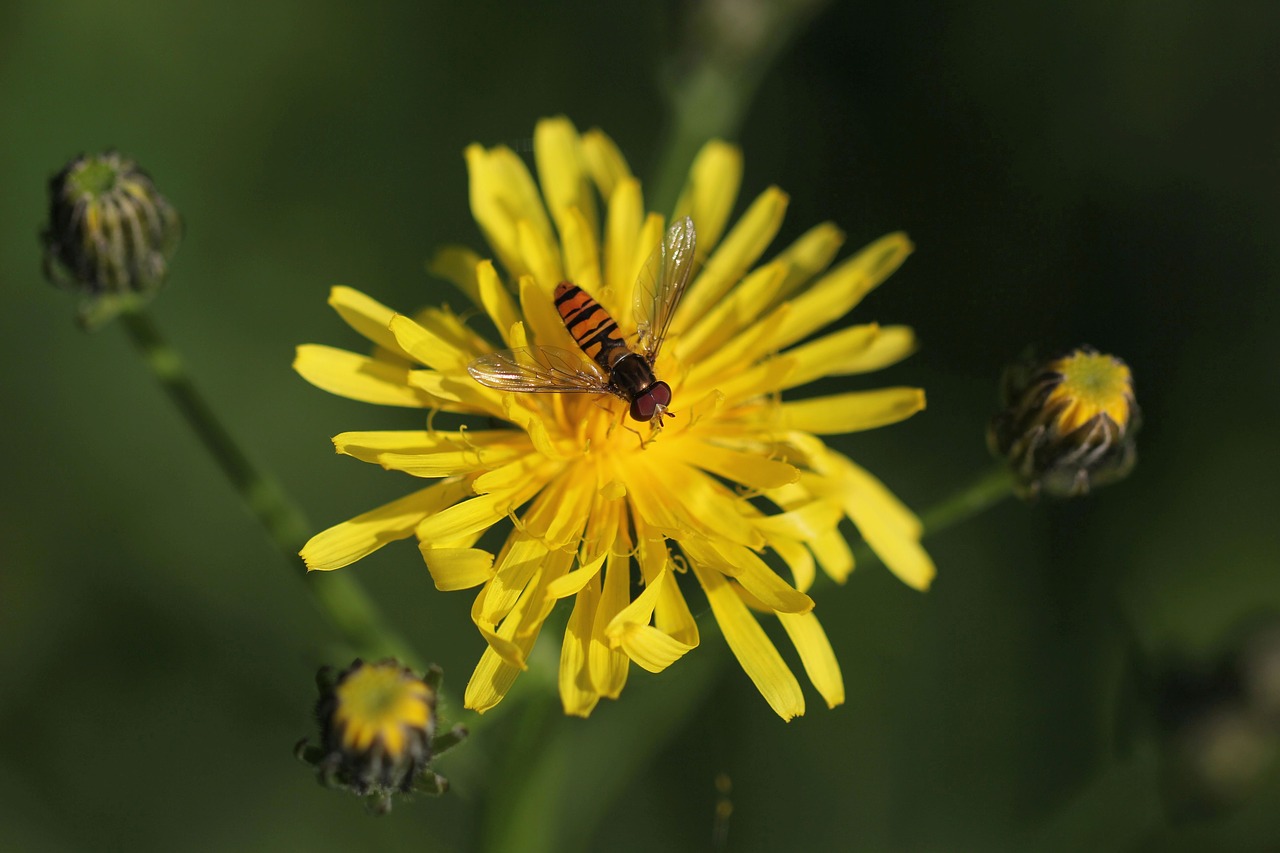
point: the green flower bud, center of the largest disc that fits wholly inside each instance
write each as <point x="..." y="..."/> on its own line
<point x="1068" y="424"/>
<point x="110" y="233"/>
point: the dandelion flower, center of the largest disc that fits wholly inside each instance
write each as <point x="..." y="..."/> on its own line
<point x="623" y="517"/>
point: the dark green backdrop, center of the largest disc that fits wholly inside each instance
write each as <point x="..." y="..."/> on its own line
<point x="1076" y="172"/>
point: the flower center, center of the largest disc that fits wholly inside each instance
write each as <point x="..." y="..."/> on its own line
<point x="1092" y="384"/>
<point x="381" y="698"/>
<point x="96" y="177"/>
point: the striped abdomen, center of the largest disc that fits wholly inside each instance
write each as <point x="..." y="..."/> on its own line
<point x="590" y="325"/>
<point x="630" y="375"/>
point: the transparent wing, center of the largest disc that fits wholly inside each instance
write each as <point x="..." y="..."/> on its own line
<point x="661" y="284"/>
<point x="547" y="369"/>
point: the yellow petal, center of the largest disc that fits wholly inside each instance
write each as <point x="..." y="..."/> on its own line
<point x="458" y="392"/>
<point x="833" y="555"/>
<point x="853" y="411"/>
<point x="366" y="315"/>
<point x="649" y="239"/>
<point x="651" y="649"/>
<point x="496" y="300"/>
<point x="725" y="268"/>
<point x="751" y="646"/>
<point x="489" y="211"/>
<point x="711" y="191"/>
<point x="672" y="616"/>
<point x="816" y="655"/>
<point x="576" y="580"/>
<point x="605" y="163"/>
<point x="648" y="646"/>
<point x="754" y="343"/>
<point x="453" y="330"/>
<point x="358" y="377"/>
<point x="892" y="345"/>
<point x="867" y="488"/>
<point x="735" y="313"/>
<point x="478" y="513"/>
<point x="434" y="454"/>
<point x="682" y="499"/>
<point x="503" y="195"/>
<point x="561" y="172"/>
<point x="495" y="673"/>
<point x="808" y="256"/>
<point x="520" y="475"/>
<point x="577" y="693"/>
<point x="457" y="568"/>
<point x="828" y="354"/>
<point x="530" y="416"/>
<point x="426" y="346"/>
<point x="581" y="252"/>
<point x="604" y="527"/>
<point x="608" y="665"/>
<point x="457" y="264"/>
<point x="803" y="523"/>
<point x="528" y="548"/>
<point x="489" y="682"/>
<point x="904" y="556"/>
<point x="349" y="541"/>
<point x="541" y="256"/>
<point x="525" y="620"/>
<point x="797" y="557"/>
<point x="753" y="470"/>
<point x="836" y="293"/>
<point x="622" y="231"/>
<point x="753" y="573"/>
<point x="751" y="383"/>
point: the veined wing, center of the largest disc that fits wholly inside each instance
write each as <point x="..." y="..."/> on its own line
<point x="548" y="369"/>
<point x="661" y="284"/>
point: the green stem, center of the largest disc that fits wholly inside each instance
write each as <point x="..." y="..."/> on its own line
<point x="339" y="596"/>
<point x="988" y="490"/>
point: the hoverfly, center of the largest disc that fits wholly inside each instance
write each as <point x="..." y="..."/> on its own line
<point x="606" y="363"/>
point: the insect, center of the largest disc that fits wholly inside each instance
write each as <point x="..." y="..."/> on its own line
<point x="606" y="363"/>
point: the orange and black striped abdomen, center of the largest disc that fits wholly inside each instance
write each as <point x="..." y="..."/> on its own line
<point x="590" y="325"/>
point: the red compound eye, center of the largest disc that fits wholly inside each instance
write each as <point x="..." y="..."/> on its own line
<point x="645" y="406"/>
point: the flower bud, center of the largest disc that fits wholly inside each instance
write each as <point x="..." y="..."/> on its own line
<point x="110" y="233"/>
<point x="377" y="731"/>
<point x="1068" y="424"/>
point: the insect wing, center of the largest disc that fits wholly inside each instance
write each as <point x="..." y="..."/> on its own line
<point x="549" y="369"/>
<point x="661" y="284"/>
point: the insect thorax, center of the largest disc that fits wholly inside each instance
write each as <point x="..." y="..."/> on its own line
<point x="631" y="374"/>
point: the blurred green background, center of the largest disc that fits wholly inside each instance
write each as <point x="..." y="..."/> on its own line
<point x="1078" y="172"/>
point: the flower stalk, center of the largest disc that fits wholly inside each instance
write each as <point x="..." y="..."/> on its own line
<point x="341" y="599"/>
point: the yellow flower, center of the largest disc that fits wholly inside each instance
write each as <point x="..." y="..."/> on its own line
<point x="737" y="476"/>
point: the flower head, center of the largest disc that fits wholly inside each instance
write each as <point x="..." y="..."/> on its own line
<point x="1068" y="423"/>
<point x="377" y="731"/>
<point x="111" y="234"/>
<point x="620" y="516"/>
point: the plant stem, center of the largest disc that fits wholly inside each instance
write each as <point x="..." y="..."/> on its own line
<point x="988" y="490"/>
<point x="340" y="597"/>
